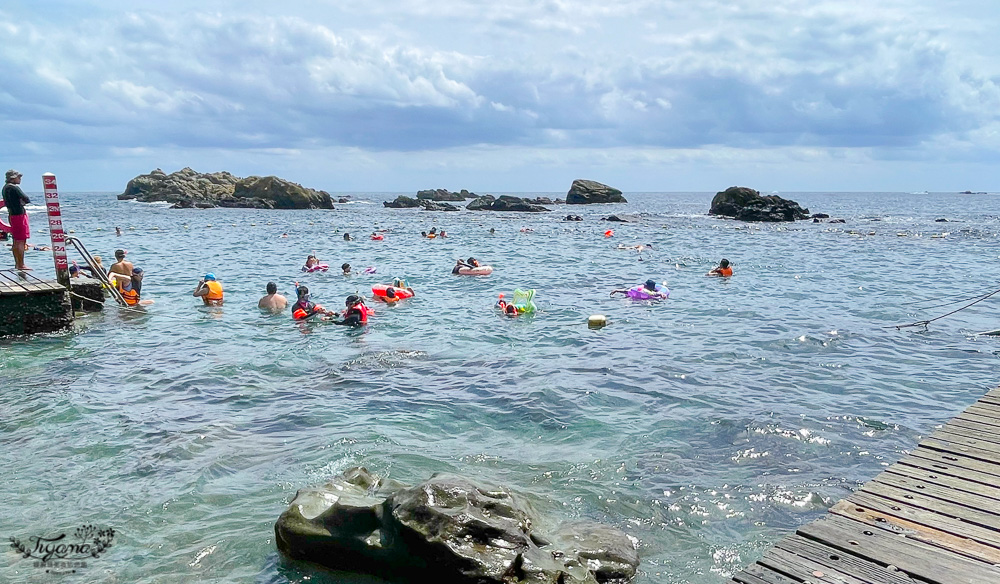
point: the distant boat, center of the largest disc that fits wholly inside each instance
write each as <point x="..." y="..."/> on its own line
<point x="920" y="193"/>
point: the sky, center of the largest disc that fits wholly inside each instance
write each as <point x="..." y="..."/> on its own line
<point x="506" y="96"/>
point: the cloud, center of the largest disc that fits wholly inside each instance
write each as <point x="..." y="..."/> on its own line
<point x="417" y="75"/>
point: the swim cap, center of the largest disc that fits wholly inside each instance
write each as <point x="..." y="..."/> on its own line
<point x="650" y="285"/>
<point x="209" y="276"/>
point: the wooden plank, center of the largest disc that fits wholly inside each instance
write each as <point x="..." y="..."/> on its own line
<point x="912" y="557"/>
<point x="948" y="482"/>
<point x="977" y="430"/>
<point x="951" y="451"/>
<point x="962" y="538"/>
<point x="837" y="562"/>
<point x="757" y="574"/>
<point x="954" y="469"/>
<point x="803" y="569"/>
<point x="974" y="416"/>
<point x="966" y="445"/>
<point x="975" y="501"/>
<point x="995" y="392"/>
<point x="900" y="497"/>
<point x="987" y="409"/>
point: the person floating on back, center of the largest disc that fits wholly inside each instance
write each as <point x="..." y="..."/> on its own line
<point x="723" y="269"/>
<point x="209" y="290"/>
<point x="647" y="291"/>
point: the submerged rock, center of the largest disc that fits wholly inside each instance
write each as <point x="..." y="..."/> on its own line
<point x="746" y="204"/>
<point x="446" y="529"/>
<point x="187" y="189"/>
<point x="430" y="205"/>
<point x="587" y="192"/>
<point x="615" y="218"/>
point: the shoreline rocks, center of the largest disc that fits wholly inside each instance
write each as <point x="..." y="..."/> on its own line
<point x="446" y="529"/>
<point x="746" y="204"/>
<point x="445" y="195"/>
<point x="589" y="192"/>
<point x="188" y="189"/>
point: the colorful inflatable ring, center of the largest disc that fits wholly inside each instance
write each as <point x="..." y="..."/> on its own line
<point x="480" y="271"/>
<point x="377" y="238"/>
<point x="641" y="293"/>
<point x="316" y="268"/>
<point x="381" y="292"/>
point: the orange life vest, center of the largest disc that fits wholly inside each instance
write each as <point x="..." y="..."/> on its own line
<point x="214" y="295"/>
<point x="131" y="296"/>
<point x="726" y="272"/>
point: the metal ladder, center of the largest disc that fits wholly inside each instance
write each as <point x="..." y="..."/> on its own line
<point x="96" y="270"/>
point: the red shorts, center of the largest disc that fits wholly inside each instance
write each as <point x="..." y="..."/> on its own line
<point x="19" y="227"/>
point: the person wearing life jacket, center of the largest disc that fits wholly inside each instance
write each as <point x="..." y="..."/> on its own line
<point x="129" y="287"/>
<point x="305" y="309"/>
<point x="209" y="290"/>
<point x="356" y="313"/>
<point x="723" y="269"/>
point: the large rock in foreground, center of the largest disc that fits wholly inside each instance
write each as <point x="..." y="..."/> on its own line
<point x="746" y="204"/>
<point x="504" y="203"/>
<point x="448" y="530"/>
<point x="586" y="192"/>
<point x="189" y="189"/>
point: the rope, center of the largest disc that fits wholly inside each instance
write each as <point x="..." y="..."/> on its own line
<point x="960" y="297"/>
<point x="924" y="323"/>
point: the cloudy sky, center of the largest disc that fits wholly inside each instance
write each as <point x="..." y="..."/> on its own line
<point x="507" y="96"/>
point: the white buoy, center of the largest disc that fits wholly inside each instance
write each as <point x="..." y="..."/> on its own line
<point x="597" y="321"/>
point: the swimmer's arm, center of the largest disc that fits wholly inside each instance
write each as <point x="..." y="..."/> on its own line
<point x="622" y="291"/>
<point x="201" y="289"/>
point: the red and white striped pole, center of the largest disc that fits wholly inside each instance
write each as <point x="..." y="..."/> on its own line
<point x="56" y="228"/>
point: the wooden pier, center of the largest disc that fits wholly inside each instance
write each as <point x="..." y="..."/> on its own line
<point x="29" y="304"/>
<point x="933" y="517"/>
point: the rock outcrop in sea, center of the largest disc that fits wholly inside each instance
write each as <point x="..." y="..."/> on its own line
<point x="746" y="204"/>
<point x="445" y="195"/>
<point x="504" y="203"/>
<point x="404" y="202"/>
<point x="189" y="189"/>
<point x="587" y="192"/>
<point x="447" y="530"/>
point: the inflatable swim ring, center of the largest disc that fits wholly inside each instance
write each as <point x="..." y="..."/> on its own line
<point x="378" y="237"/>
<point x="641" y="293"/>
<point x="399" y="293"/>
<point x="480" y="271"/>
<point x="316" y="268"/>
<point x="609" y="233"/>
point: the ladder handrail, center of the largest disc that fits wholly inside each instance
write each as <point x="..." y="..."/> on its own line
<point x="96" y="270"/>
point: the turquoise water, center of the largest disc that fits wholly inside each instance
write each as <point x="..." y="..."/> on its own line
<point x="707" y="426"/>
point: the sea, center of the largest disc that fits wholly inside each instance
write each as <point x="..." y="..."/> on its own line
<point x="707" y="426"/>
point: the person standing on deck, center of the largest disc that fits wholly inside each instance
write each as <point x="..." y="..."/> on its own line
<point x="15" y="200"/>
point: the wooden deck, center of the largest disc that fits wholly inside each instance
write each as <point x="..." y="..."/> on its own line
<point x="15" y="282"/>
<point x="933" y="517"/>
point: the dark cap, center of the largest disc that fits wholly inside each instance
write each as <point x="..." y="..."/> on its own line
<point x="353" y="299"/>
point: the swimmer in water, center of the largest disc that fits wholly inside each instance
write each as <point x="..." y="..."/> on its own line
<point x="649" y="288"/>
<point x="209" y="290"/>
<point x="459" y="265"/>
<point x="723" y="270"/>
<point x="346" y="268"/>
<point x="347" y="237"/>
<point x="356" y="313"/>
<point x="272" y="301"/>
<point x="304" y="309"/>
<point x="118" y="231"/>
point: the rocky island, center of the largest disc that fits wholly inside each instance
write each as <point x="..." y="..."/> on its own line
<point x="588" y="192"/>
<point x="746" y="204"/>
<point x="448" y="530"/>
<point x="189" y="189"/>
